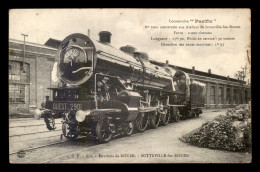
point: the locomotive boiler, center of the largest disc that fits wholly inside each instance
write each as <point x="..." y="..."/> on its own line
<point x="105" y="91"/>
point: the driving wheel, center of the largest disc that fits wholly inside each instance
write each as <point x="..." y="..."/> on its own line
<point x="69" y="132"/>
<point x="176" y="115"/>
<point x="102" y="131"/>
<point x="129" y="129"/>
<point x="141" y="122"/>
<point x="166" y="116"/>
<point x="155" y="119"/>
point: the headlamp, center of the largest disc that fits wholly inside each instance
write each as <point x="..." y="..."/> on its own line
<point x="81" y="115"/>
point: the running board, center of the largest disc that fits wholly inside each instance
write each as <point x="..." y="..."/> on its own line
<point x="106" y="110"/>
<point x="176" y="105"/>
<point x="147" y="109"/>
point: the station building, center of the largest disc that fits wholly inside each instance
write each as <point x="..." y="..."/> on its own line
<point x="30" y="76"/>
<point x="221" y="91"/>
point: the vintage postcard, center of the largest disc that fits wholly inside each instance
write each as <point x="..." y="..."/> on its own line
<point x="129" y="86"/>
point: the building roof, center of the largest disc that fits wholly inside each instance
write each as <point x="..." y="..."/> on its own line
<point x="53" y="43"/>
<point x="200" y="73"/>
<point x="30" y="43"/>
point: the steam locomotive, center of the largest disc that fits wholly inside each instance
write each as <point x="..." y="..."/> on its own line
<point x="105" y="91"/>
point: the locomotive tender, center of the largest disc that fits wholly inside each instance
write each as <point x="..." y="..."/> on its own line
<point x="105" y="91"/>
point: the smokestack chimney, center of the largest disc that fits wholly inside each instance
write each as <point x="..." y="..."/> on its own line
<point x="228" y="78"/>
<point x="167" y="62"/>
<point x="105" y="37"/>
<point x="209" y="71"/>
<point x="193" y="70"/>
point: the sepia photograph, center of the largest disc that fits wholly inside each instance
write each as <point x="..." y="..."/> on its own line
<point x="139" y="85"/>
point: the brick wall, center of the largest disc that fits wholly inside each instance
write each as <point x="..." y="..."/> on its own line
<point x="40" y="60"/>
<point x="44" y="68"/>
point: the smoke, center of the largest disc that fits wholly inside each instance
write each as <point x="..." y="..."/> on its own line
<point x="54" y="73"/>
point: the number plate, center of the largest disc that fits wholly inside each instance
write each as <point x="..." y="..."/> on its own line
<point x="66" y="106"/>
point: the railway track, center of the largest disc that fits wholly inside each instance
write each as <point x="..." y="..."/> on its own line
<point x="29" y="134"/>
<point x="22" y="119"/>
<point x="19" y="143"/>
<point x="28" y="123"/>
<point x="40" y="146"/>
<point x="45" y="145"/>
<point x="59" y="155"/>
<point x="92" y="146"/>
<point x="28" y="140"/>
<point x="59" y="152"/>
<point x="19" y="135"/>
<point x="28" y="126"/>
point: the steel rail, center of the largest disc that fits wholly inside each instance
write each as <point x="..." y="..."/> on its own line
<point x="31" y="133"/>
<point x="73" y="152"/>
<point x="30" y="125"/>
<point x="36" y="139"/>
<point x="41" y="146"/>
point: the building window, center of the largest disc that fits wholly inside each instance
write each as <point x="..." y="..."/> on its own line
<point x="228" y="96"/>
<point x="18" y="72"/>
<point x="220" y="95"/>
<point x="212" y="95"/>
<point x="16" y="93"/>
<point x="18" y="76"/>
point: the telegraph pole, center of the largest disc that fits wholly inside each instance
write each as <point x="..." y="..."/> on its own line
<point x="248" y="57"/>
<point x="88" y="33"/>
<point x="24" y="49"/>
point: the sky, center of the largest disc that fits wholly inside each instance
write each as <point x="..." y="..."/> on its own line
<point x="128" y="28"/>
